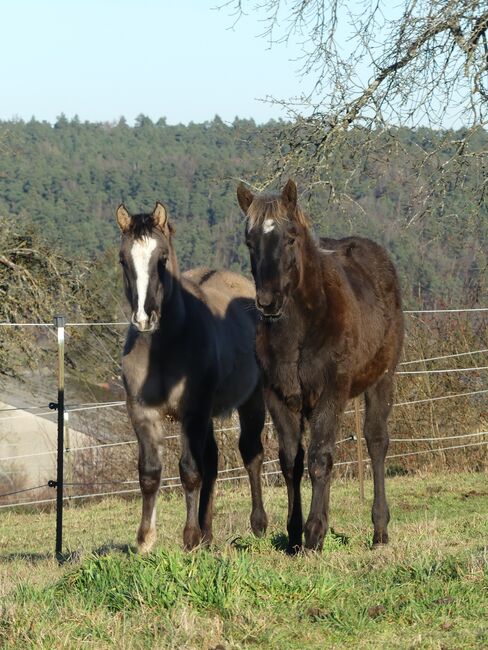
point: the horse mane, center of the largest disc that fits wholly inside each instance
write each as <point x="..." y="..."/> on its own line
<point x="142" y="225"/>
<point x="269" y="205"/>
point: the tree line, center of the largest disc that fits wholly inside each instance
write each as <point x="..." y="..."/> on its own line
<point x="66" y="180"/>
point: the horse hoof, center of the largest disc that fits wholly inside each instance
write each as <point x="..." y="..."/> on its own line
<point x="145" y="542"/>
<point x="259" y="523"/>
<point x="207" y="538"/>
<point x="192" y="537"/>
<point x="294" y="549"/>
<point x="380" y="538"/>
<point x="314" y="536"/>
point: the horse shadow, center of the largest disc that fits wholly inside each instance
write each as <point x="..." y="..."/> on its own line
<point x="68" y="557"/>
<point x="279" y="541"/>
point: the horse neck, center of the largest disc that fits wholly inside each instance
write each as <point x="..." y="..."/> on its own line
<point x="310" y="292"/>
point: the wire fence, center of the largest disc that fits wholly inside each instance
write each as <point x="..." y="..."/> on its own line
<point x="219" y="479"/>
<point x="97" y="405"/>
<point x="471" y="440"/>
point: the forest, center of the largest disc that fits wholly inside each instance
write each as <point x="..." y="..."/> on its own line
<point x="64" y="181"/>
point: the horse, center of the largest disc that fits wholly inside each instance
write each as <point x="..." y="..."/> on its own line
<point x="189" y="355"/>
<point x="331" y="328"/>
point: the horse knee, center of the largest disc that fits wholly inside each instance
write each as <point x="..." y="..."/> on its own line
<point x="149" y="480"/>
<point x="190" y="476"/>
<point x="251" y="450"/>
<point x="377" y="443"/>
<point x="320" y="463"/>
<point x="291" y="464"/>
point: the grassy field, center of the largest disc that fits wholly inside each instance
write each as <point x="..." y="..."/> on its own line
<point x="427" y="589"/>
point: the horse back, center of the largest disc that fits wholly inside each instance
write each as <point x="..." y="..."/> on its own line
<point x="369" y="271"/>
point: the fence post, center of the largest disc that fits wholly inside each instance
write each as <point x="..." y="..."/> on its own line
<point x="67" y="448"/>
<point x="59" y="324"/>
<point x="359" y="444"/>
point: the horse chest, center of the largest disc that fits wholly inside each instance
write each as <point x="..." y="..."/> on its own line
<point x="297" y="375"/>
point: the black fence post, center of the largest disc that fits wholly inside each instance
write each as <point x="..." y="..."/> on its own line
<point x="59" y="324"/>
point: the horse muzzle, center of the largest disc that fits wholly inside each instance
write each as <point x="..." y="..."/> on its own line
<point x="146" y="325"/>
<point x="270" y="305"/>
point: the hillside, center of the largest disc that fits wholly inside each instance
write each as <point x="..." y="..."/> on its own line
<point x="66" y="180"/>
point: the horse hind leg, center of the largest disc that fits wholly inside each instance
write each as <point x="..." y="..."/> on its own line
<point x="378" y="401"/>
<point x="210" y="465"/>
<point x="251" y="418"/>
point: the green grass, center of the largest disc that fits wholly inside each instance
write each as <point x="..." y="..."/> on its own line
<point x="427" y="589"/>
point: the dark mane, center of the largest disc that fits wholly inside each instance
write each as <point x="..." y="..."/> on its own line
<point x="269" y="205"/>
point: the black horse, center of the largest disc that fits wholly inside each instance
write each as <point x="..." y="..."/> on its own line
<point x="189" y="354"/>
<point x="331" y="328"/>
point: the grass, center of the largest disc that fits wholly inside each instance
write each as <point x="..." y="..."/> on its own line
<point x="427" y="589"/>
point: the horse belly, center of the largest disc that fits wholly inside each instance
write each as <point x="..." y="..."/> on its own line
<point x="236" y="387"/>
<point x="370" y="373"/>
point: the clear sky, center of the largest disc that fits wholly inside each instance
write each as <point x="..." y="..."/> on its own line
<point x="101" y="59"/>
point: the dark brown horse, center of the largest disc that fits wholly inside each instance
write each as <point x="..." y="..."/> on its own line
<point x="331" y="328"/>
<point x="189" y="354"/>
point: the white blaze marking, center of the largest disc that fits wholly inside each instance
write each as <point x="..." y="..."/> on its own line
<point x="141" y="254"/>
<point x="268" y="226"/>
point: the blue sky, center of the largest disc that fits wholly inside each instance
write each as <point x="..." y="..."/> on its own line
<point x="101" y="59"/>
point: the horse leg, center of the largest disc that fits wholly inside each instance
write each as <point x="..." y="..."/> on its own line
<point x="289" y="426"/>
<point x="378" y="400"/>
<point x="323" y="425"/>
<point x="210" y="465"/>
<point x="251" y="418"/>
<point x="148" y="428"/>
<point x="194" y="433"/>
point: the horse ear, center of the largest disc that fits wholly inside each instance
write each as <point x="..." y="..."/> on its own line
<point x="123" y="218"/>
<point x="245" y="197"/>
<point x="289" y="194"/>
<point x="160" y="216"/>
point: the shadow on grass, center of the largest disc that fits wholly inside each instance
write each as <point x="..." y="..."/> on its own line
<point x="279" y="541"/>
<point x="68" y="556"/>
<point x="32" y="558"/>
<point x="106" y="549"/>
<point x="342" y="538"/>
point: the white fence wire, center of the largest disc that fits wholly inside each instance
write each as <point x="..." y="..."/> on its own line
<point x="173" y="479"/>
<point x="220" y="479"/>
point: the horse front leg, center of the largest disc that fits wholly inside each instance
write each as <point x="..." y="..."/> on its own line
<point x="289" y="426"/>
<point x="148" y="428"/>
<point x="324" y="425"/>
<point x="194" y="434"/>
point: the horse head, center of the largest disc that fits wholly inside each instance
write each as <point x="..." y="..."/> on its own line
<point x="148" y="263"/>
<point x="274" y="226"/>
